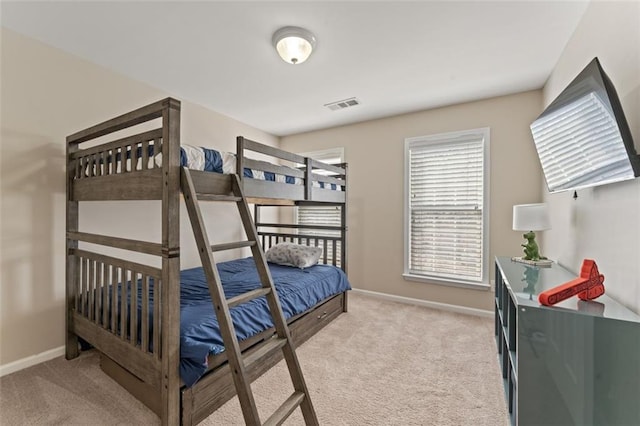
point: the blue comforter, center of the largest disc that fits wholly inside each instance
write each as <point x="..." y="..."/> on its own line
<point x="200" y="336"/>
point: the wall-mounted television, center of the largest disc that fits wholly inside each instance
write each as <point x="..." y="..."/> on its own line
<point x="583" y="138"/>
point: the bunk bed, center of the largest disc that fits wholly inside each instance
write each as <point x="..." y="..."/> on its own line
<point x="131" y="311"/>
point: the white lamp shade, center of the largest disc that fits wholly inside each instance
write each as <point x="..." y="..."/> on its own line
<point x="294" y="44"/>
<point x="531" y="217"/>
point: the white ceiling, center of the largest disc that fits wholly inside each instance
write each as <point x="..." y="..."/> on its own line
<point x="395" y="57"/>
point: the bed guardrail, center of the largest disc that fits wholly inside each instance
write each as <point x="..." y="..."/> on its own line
<point x="331" y="246"/>
<point x="130" y="119"/>
<point x="127" y="168"/>
<point x="329" y="238"/>
<point x="119" y="297"/>
<point x="137" y="152"/>
<point x="311" y="172"/>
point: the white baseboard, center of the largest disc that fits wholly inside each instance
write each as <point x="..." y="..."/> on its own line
<point x="427" y="303"/>
<point x="32" y="360"/>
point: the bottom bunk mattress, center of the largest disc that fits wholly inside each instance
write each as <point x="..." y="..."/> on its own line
<point x="298" y="291"/>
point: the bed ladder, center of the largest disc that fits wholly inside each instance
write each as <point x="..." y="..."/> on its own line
<point x="239" y="363"/>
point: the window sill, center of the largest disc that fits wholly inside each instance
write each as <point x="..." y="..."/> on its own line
<point x="445" y="282"/>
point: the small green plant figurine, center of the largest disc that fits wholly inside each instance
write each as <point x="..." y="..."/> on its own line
<point x="531" y="250"/>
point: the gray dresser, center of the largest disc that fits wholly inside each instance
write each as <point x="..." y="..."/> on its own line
<point x="574" y="363"/>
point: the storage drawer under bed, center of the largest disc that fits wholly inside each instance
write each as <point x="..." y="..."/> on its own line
<point x="309" y="324"/>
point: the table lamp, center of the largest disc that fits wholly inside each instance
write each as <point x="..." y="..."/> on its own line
<point x="531" y="218"/>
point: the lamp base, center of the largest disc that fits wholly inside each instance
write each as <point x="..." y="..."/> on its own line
<point x="541" y="262"/>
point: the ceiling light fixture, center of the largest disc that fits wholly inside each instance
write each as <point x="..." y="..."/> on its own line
<point x="294" y="44"/>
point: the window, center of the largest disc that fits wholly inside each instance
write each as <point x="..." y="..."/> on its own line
<point x="446" y="215"/>
<point x="325" y="214"/>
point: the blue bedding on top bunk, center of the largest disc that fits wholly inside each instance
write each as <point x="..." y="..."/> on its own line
<point x="211" y="160"/>
<point x="200" y="336"/>
<point x="208" y="160"/>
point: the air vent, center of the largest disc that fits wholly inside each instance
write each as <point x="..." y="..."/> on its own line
<point x="345" y="103"/>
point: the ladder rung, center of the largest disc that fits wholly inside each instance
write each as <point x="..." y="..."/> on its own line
<point x="245" y="297"/>
<point x="264" y="349"/>
<point x="231" y="246"/>
<point x="214" y="197"/>
<point x="285" y="410"/>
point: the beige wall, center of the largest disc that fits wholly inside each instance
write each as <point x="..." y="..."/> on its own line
<point x="604" y="222"/>
<point x="47" y="95"/>
<point x="375" y="153"/>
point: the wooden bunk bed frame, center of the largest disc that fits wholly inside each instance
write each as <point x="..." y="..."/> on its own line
<point x="100" y="172"/>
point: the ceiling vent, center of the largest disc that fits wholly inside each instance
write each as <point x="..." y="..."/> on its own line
<point x="345" y="103"/>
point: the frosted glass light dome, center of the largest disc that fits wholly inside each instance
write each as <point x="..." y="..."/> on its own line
<point x="294" y="44"/>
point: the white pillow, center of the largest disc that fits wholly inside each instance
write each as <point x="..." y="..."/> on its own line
<point x="291" y="254"/>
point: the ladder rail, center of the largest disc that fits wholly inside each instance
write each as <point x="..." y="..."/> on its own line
<point x="231" y="246"/>
<point x="243" y="386"/>
<point x="282" y="329"/>
<point x="238" y="362"/>
<point x="285" y="410"/>
<point x="245" y="297"/>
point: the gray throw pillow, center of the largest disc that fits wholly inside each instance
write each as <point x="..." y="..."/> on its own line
<point x="291" y="254"/>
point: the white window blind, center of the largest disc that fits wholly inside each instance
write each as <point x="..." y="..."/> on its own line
<point x="320" y="215"/>
<point x="446" y="206"/>
<point x="323" y="215"/>
<point x="588" y="124"/>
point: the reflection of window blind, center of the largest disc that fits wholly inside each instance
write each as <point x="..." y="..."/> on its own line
<point x="446" y="190"/>
<point x="580" y="144"/>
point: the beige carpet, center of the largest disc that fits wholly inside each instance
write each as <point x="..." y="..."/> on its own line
<point x="382" y="363"/>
